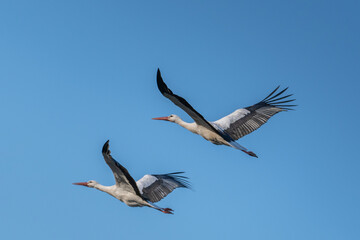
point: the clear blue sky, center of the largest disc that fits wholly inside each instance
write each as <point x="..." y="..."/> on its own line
<point x="76" y="73"/>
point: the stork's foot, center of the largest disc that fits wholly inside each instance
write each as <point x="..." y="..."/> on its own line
<point x="167" y="210"/>
<point x="250" y="153"/>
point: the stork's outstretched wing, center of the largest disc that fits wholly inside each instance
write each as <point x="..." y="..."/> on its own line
<point x="155" y="187"/>
<point x="246" y="120"/>
<point x="122" y="177"/>
<point x="182" y="103"/>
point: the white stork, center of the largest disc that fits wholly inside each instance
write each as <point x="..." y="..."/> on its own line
<point x="145" y="192"/>
<point x="230" y="128"/>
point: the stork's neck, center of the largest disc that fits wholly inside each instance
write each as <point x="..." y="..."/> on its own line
<point x="107" y="189"/>
<point x="189" y="126"/>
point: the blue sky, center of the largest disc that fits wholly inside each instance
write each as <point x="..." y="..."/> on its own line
<point x="76" y="73"/>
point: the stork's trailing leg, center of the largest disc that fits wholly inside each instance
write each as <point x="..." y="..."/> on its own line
<point x="164" y="210"/>
<point x="167" y="210"/>
<point x="250" y="153"/>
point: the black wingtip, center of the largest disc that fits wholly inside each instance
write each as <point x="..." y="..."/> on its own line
<point x="177" y="173"/>
<point x="161" y="85"/>
<point x="158" y="75"/>
<point x="274" y="98"/>
<point x="105" y="149"/>
<point x="271" y="93"/>
<point x="181" y="179"/>
<point x="160" y="81"/>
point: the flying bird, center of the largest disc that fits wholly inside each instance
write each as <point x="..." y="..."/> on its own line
<point x="230" y="128"/>
<point x="145" y="192"/>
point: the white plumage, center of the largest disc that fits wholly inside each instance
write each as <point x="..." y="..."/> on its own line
<point x="226" y="121"/>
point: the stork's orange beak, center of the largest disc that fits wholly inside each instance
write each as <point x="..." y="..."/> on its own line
<point x="161" y="118"/>
<point x="81" y="183"/>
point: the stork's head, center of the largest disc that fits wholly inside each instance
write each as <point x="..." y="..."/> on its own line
<point x="171" y="118"/>
<point x="90" y="183"/>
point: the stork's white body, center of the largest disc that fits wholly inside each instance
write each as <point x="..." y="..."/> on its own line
<point x="202" y="131"/>
<point x="129" y="198"/>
